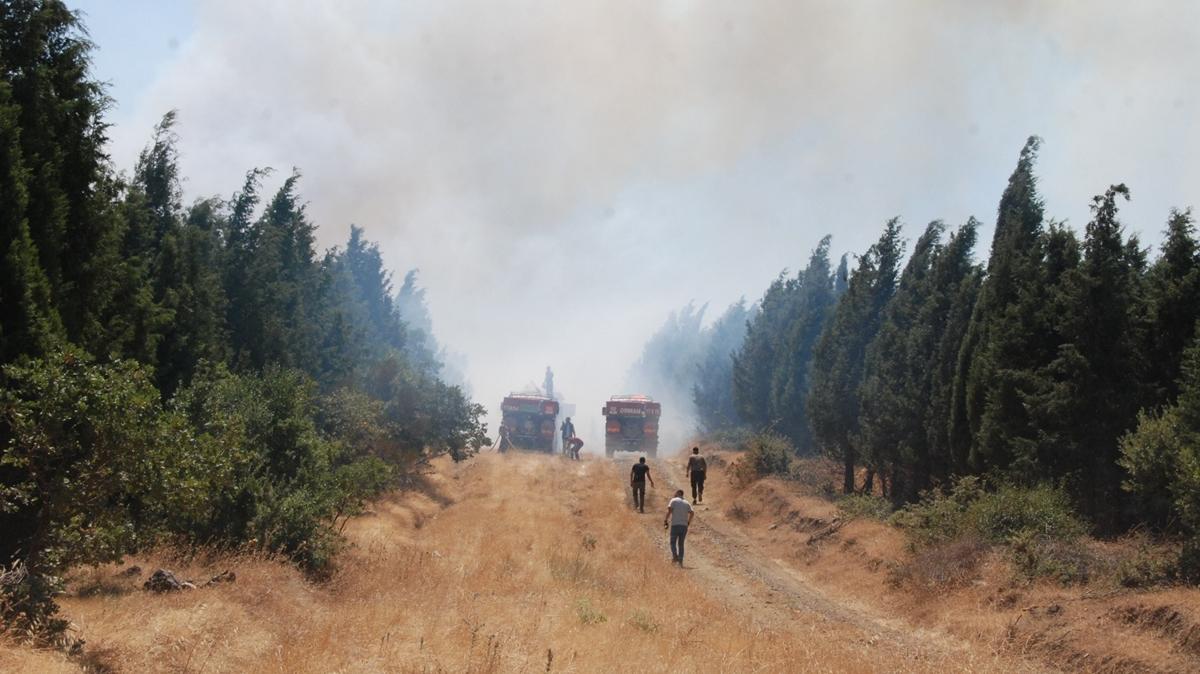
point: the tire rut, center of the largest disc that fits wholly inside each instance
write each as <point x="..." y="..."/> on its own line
<point x="730" y="564"/>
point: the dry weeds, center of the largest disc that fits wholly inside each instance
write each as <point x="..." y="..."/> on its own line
<point x="511" y="563"/>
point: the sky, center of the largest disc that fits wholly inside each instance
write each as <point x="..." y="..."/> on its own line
<point x="564" y="174"/>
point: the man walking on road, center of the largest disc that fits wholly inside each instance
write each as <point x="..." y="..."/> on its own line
<point x="695" y="470"/>
<point x="679" y="516"/>
<point x="637" y="480"/>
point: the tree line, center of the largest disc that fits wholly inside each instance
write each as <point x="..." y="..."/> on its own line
<point x="1064" y="359"/>
<point x="197" y="373"/>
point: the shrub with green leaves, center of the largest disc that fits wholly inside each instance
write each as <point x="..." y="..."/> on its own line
<point x="277" y="479"/>
<point x="90" y="466"/>
<point x="864" y="505"/>
<point x="1036" y="524"/>
<point x="765" y="454"/>
<point x="993" y="516"/>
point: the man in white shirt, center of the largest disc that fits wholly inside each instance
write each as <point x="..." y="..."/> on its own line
<point x="679" y="516"/>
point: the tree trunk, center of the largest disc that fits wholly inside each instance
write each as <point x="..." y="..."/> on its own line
<point x="848" y="474"/>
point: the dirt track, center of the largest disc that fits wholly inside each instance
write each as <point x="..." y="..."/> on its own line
<point x="730" y="566"/>
<point x="506" y="563"/>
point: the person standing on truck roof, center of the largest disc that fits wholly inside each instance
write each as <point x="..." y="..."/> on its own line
<point x="696" y="468"/>
<point x="679" y="518"/>
<point x="637" y="479"/>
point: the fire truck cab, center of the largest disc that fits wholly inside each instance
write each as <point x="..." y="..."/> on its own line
<point x="530" y="419"/>
<point x="631" y="425"/>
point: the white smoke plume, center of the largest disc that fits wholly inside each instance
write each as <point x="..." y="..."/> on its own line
<point x="566" y="173"/>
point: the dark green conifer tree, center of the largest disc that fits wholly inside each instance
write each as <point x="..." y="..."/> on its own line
<point x="1009" y="336"/>
<point x="712" y="394"/>
<point x="1173" y="304"/>
<point x="29" y="322"/>
<point x="837" y="369"/>
<point x="811" y="304"/>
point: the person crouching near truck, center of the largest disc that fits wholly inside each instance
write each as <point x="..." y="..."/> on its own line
<point x="637" y="480"/>
<point x="573" y="447"/>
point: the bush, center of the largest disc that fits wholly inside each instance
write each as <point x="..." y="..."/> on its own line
<point x="1148" y="566"/>
<point x="1037" y="524"/>
<point x="864" y="505"/>
<point x="765" y="454"/>
<point x="90" y="467"/>
<point x="996" y="516"/>
<point x="943" y="566"/>
<point x="1037" y="556"/>
<point x="735" y="437"/>
<point x="273" y="476"/>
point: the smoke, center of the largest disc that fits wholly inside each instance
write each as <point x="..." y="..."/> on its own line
<point x="565" y="173"/>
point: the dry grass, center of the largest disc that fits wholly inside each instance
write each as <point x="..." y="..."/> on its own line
<point x="507" y="564"/>
<point x="975" y="594"/>
<point x="524" y="563"/>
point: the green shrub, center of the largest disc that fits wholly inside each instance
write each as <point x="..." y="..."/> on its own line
<point x="765" y="454"/>
<point x="1042" y="512"/>
<point x="864" y="505"/>
<point x="992" y="516"/>
<point x="90" y="466"/>
<point x="736" y="437"/>
<point x="1037" y="525"/>
<point x="1148" y="566"/>
<point x="1065" y="561"/>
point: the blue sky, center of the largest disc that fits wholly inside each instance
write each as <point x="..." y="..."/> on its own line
<point x="135" y="40"/>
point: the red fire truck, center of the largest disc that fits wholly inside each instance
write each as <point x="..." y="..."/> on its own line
<point x="631" y="425"/>
<point x="530" y="419"/>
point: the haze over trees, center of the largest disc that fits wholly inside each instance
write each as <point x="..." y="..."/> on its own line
<point x="199" y="372"/>
<point x="1066" y="360"/>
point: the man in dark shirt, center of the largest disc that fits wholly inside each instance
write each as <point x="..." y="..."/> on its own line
<point x="568" y="432"/>
<point x="637" y="480"/>
<point x="695" y="470"/>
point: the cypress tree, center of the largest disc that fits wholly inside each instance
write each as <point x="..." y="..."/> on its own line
<point x="29" y="322"/>
<point x="755" y="361"/>
<point x="811" y="303"/>
<point x="1008" y="337"/>
<point x="960" y="279"/>
<point x="1173" y="305"/>
<point x="837" y="369"/>
<point x="895" y="387"/>
<point x="45" y="60"/>
<point x="1091" y="391"/>
<point x="712" y="394"/>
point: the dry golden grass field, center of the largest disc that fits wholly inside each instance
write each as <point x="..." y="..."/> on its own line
<point x="527" y="563"/>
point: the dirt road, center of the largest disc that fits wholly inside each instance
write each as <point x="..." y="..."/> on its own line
<point x="729" y="565"/>
<point x="505" y="563"/>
